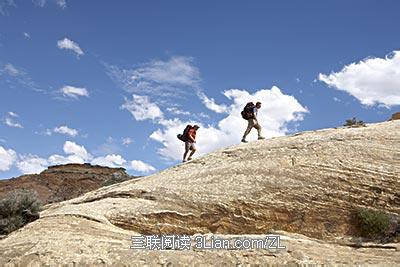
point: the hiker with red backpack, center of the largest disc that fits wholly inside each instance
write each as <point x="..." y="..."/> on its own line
<point x="189" y="137"/>
<point x="249" y="113"/>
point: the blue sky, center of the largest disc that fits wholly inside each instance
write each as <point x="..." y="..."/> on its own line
<point x="113" y="82"/>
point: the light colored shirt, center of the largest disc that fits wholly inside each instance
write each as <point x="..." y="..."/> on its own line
<point x="255" y="111"/>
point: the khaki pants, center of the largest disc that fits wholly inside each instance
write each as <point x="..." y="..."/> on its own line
<point x="252" y="123"/>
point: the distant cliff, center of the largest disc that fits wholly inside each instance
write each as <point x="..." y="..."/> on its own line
<point x="62" y="182"/>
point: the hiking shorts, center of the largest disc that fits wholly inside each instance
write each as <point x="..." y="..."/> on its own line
<point x="189" y="146"/>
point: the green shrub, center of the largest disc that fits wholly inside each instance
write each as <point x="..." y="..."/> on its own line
<point x="354" y="123"/>
<point x="17" y="209"/>
<point x="372" y="223"/>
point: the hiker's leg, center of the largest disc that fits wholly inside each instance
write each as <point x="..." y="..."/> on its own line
<point x="187" y="147"/>
<point x="191" y="153"/>
<point x="259" y="128"/>
<point x="193" y="148"/>
<point x="250" y="125"/>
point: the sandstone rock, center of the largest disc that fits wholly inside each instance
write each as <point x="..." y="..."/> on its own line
<point x="304" y="187"/>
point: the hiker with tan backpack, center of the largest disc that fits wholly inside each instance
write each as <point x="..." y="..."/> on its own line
<point x="249" y="113"/>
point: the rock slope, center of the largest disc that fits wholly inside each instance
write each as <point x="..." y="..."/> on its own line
<point x="62" y="182"/>
<point x="304" y="187"/>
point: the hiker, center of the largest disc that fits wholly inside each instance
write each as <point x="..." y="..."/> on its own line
<point x="249" y="113"/>
<point x="189" y="137"/>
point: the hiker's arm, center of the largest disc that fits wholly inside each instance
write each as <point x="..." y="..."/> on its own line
<point x="191" y="138"/>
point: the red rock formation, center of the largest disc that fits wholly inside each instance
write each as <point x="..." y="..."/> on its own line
<point x="63" y="182"/>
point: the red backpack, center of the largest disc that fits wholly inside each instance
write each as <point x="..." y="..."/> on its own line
<point x="184" y="136"/>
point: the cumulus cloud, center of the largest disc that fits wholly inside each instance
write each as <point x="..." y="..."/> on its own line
<point x="30" y="164"/>
<point x="7" y="158"/>
<point x="277" y="112"/>
<point x="140" y="166"/>
<point x="76" y="152"/>
<point x="141" y="108"/>
<point x="372" y="80"/>
<point x="210" y="104"/>
<point x="70" y="45"/>
<point x="66" y="130"/>
<point x="74" y="92"/>
<point x="112" y="161"/>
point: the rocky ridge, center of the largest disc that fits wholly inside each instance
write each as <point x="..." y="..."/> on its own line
<point x="304" y="187"/>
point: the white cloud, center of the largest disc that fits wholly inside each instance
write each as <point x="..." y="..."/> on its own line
<point x="112" y="161"/>
<point x="11" y="70"/>
<point x="66" y="130"/>
<point x="70" y="45"/>
<point x="13" y="76"/>
<point x="29" y="164"/>
<point x="58" y="160"/>
<point x="4" y="4"/>
<point x="12" y="114"/>
<point x="61" y="3"/>
<point x="47" y="132"/>
<point x="170" y="78"/>
<point x="372" y="80"/>
<point x="177" y="111"/>
<point x="76" y="152"/>
<point x="336" y="99"/>
<point x="127" y="141"/>
<point x="9" y="120"/>
<point x="210" y="104"/>
<point x="40" y="3"/>
<point x="7" y="158"/>
<point x="74" y="92"/>
<point x="26" y="35"/>
<point x="140" y="166"/>
<point x="141" y="108"/>
<point x="277" y="111"/>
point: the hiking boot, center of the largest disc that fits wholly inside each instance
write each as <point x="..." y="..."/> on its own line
<point x="189" y="158"/>
<point x="244" y="140"/>
<point x="261" y="137"/>
<point x="184" y="160"/>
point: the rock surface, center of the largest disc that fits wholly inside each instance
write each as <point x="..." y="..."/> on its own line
<point x="63" y="182"/>
<point x="304" y="187"/>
